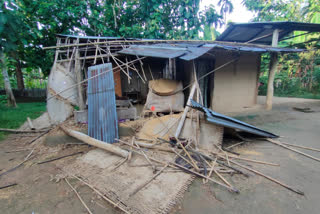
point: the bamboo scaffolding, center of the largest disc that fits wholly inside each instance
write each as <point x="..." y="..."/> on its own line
<point x="86" y="80"/>
<point x="145" y="41"/>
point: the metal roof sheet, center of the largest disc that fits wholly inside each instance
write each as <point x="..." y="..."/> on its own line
<point x="223" y="120"/>
<point x="153" y="51"/>
<point x="244" y="32"/>
<point x="190" y="51"/>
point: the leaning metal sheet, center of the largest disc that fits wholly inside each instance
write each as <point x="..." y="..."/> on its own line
<point x="102" y="114"/>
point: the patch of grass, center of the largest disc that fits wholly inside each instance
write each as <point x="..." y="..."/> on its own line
<point x="12" y="118"/>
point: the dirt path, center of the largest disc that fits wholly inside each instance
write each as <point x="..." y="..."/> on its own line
<point x="38" y="190"/>
<point x="258" y="195"/>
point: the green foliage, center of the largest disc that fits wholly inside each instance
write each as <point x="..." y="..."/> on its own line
<point x="3" y="99"/>
<point x="12" y="118"/>
<point x="27" y="26"/>
<point x="298" y="73"/>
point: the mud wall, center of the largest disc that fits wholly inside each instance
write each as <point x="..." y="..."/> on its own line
<point x="235" y="86"/>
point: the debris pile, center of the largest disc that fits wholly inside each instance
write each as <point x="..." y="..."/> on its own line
<point x="149" y="171"/>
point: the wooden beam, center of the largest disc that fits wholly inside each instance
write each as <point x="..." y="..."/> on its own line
<point x="275" y="38"/>
<point x="97" y="143"/>
<point x="78" y="73"/>
<point x="272" y="72"/>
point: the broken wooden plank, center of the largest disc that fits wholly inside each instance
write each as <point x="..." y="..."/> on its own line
<point x="97" y="143"/>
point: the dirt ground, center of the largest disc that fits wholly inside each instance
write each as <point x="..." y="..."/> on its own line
<point x="40" y="190"/>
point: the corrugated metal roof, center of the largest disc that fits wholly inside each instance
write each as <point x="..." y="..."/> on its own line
<point x="154" y="51"/>
<point x="190" y="51"/>
<point x="220" y="119"/>
<point x="244" y="32"/>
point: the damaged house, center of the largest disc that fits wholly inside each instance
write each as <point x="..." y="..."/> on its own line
<point x="227" y="72"/>
<point x="168" y="94"/>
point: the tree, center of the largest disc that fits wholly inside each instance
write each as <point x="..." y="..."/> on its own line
<point x="225" y="8"/>
<point x="41" y="20"/>
<point x="9" y="34"/>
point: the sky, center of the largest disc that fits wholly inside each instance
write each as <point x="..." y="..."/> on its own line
<point x="239" y="14"/>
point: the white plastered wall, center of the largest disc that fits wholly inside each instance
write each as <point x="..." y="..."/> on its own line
<point x="60" y="107"/>
<point x="235" y="86"/>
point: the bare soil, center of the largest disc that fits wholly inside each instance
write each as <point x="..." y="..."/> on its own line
<point x="40" y="188"/>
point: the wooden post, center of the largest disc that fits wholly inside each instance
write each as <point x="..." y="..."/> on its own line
<point x="78" y="72"/>
<point x="273" y="69"/>
<point x="186" y="109"/>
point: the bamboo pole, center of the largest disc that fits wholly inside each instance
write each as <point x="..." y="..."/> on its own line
<point x="301" y="147"/>
<point x="294" y="150"/>
<point x="146" y="183"/>
<point x="30" y="123"/>
<point x="86" y="80"/>
<point x="175" y="165"/>
<point x="267" y="177"/>
<point x="102" y="195"/>
<point x="249" y="160"/>
<point x="97" y="143"/>
<point x="143" y="41"/>
<point x="75" y="191"/>
<point x="186" y="109"/>
<point x="21" y="131"/>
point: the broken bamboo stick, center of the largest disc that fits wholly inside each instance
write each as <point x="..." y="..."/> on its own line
<point x="301" y="147"/>
<point x="21" y="131"/>
<point x="268" y="177"/>
<point x="30" y="123"/>
<point x="58" y="158"/>
<point x="249" y="160"/>
<point x="175" y="165"/>
<point x="186" y="109"/>
<point x="221" y="163"/>
<point x="102" y="195"/>
<point x="36" y="138"/>
<point x="146" y="183"/>
<point x="294" y="150"/>
<point x="17" y="166"/>
<point x="237" y="144"/>
<point x="97" y="143"/>
<point x="152" y="146"/>
<point x="7" y="186"/>
<point x="146" y="157"/>
<point x="75" y="191"/>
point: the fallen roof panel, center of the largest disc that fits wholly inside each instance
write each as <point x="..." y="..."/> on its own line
<point x="220" y="119"/>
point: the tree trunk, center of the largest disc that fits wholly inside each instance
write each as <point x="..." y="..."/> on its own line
<point x="7" y="86"/>
<point x="272" y="72"/>
<point x="20" y="82"/>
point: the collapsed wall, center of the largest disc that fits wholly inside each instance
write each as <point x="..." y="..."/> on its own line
<point x="60" y="106"/>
